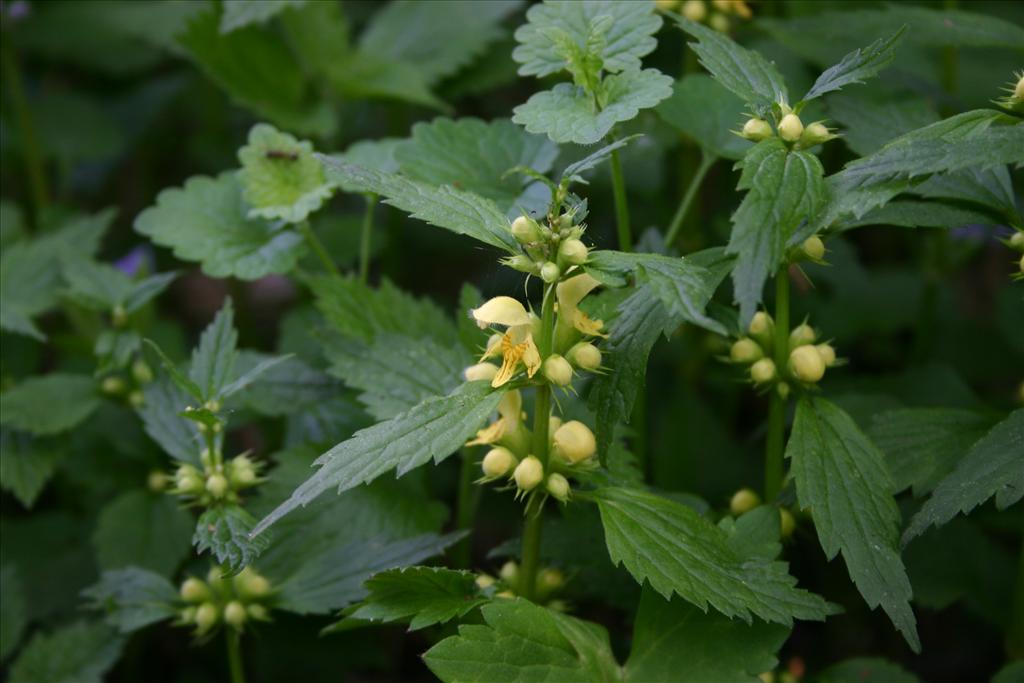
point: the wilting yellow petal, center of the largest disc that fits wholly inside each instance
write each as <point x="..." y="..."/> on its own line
<point x="501" y="310"/>
<point x="587" y="325"/>
<point x="511" y="407"/>
<point x="489" y="434"/>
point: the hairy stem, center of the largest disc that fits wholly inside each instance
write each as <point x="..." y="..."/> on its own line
<point x="30" y="149"/>
<point x="364" y="242"/>
<point x="706" y="161"/>
<point x="777" y="408"/>
<point x="319" y="249"/>
<point x="621" y="206"/>
<point x="466" y="505"/>
<point x="234" y="640"/>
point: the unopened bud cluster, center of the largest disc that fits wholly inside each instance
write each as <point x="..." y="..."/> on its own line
<point x="1016" y="242"/>
<point x="718" y="14"/>
<point x="789" y="128"/>
<point x="1014" y="99"/>
<point x="217" y="481"/>
<point x="550" y="250"/>
<point x="745" y="500"/>
<point x="806" y="358"/>
<point x="508" y="584"/>
<point x="128" y="384"/>
<point x="232" y="601"/>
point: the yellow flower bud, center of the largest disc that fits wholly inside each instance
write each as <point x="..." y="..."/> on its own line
<point x="235" y="614"/>
<point x="498" y="462"/>
<point x="206" y="618"/>
<point x="719" y="22"/>
<point x="757" y="129"/>
<point x="113" y="385"/>
<point x="484" y="581"/>
<point x="783" y="390"/>
<point x="761" y="328"/>
<point x="119" y="316"/>
<point x="574" y="442"/>
<point x="522" y="263"/>
<point x="1017" y="240"/>
<point x="242" y="472"/>
<point x="528" y="473"/>
<point x="814" y="248"/>
<point x="801" y="335"/>
<point x="258" y="612"/>
<point x="157" y="481"/>
<point x="526" y="230"/>
<point x="136" y="399"/>
<point x="505" y="595"/>
<point x="141" y="372"/>
<point x="827" y="353"/>
<point x="509" y="572"/>
<point x="572" y="252"/>
<point x="554" y="422"/>
<point x="481" y="372"/>
<point x="791" y="128"/>
<point x="815" y="134"/>
<point x="763" y="371"/>
<point x="695" y="10"/>
<point x="217" y="485"/>
<point x="558" y="487"/>
<point x="1018" y="90"/>
<point x="250" y="585"/>
<point x="666" y="4"/>
<point x="550" y="272"/>
<point x="743" y="501"/>
<point x="745" y="351"/>
<point x="806" y="364"/>
<point x="787" y="523"/>
<point x="188" y="480"/>
<point x="194" y="590"/>
<point x="550" y="579"/>
<point x="557" y="370"/>
<point x="585" y="356"/>
<point x="501" y="310"/>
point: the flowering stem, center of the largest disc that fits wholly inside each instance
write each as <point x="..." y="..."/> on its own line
<point x="777" y="408"/>
<point x="465" y="510"/>
<point x="706" y="161"/>
<point x="234" y="640"/>
<point x="318" y="248"/>
<point x="364" y="243"/>
<point x="29" y="142"/>
<point x="621" y="207"/>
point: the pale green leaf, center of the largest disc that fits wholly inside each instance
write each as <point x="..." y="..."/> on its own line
<point x="142" y="529"/>
<point x="13" y="615"/>
<point x="629" y="37"/>
<point x="252" y="373"/>
<point x="523" y="642"/>
<point x="446" y="206"/>
<point x="49" y="404"/>
<point x="285" y="386"/>
<point x="146" y="290"/>
<point x="475" y="156"/>
<point x="856" y="66"/>
<point x="783" y="189"/>
<point x="133" y="598"/>
<point x="364" y="75"/>
<point x="240" y="13"/>
<point x="205" y="221"/>
<point x="706" y="112"/>
<point x="225" y="530"/>
<point x="567" y="113"/>
<point x="746" y="73"/>
<point x="679" y="552"/>
<point x="26" y="465"/>
<point x="213" y="359"/>
<point x="865" y="670"/>
<point x="280" y="177"/>
<point x="993" y="466"/>
<point x="95" y="285"/>
<point x="842" y="478"/>
<point x="80" y="653"/>
<point x="424" y="596"/>
<point x="432" y="430"/>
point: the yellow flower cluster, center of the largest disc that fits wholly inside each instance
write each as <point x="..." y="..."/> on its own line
<point x="806" y="359"/>
<point x="235" y="600"/>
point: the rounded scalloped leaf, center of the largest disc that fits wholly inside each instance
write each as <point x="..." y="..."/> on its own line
<point x="281" y="179"/>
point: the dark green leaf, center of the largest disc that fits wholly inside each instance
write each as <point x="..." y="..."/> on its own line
<point x="594" y="159"/>
<point x="179" y="438"/>
<point x="283" y="388"/>
<point x="49" y="404"/>
<point x="240" y="13"/>
<point x="214" y="358"/>
<point x="856" y="66"/>
<point x="13" y="615"/>
<point x="424" y="596"/>
<point x="26" y="464"/>
<point x="80" y="653"/>
<point x="706" y="112"/>
<point x="866" y="670"/>
<point x="142" y="529"/>
<point x="225" y="530"/>
<point x="133" y="598"/>
<point x="913" y="213"/>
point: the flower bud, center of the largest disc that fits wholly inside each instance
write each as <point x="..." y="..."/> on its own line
<point x="558" y="487"/>
<point x="585" y="356"/>
<point x="554" y="422"/>
<point x="206" y="617"/>
<point x="195" y="591"/>
<point x="745" y="351"/>
<point x="217" y="485"/>
<point x="213" y="405"/>
<point x="529" y="473"/>
<point x="719" y="22"/>
<point x="782" y="388"/>
<point x="813" y="248"/>
<point x="188" y="480"/>
<point x="113" y="385"/>
<point x="509" y="572"/>
<point x="484" y="581"/>
<point x="501" y="310"/>
<point x="235" y="614"/>
<point x="574" y="442"/>
<point x="1018" y="90"/>
<point x="761" y="329"/>
<point x="157" y="481"/>
<point x="549" y="579"/>
<point x="136" y="399"/>
<point x="695" y="10"/>
<point x="251" y="585"/>
<point x="187" y="615"/>
<point x="763" y="371"/>
<point x="815" y="134"/>
<point x="666" y="4"/>
<point x="505" y="595"/>
<point x="258" y="612"/>
<point x="557" y="370"/>
<point x="243" y="472"/>
<point x="757" y="129"/>
<point x="572" y="252"/>
<point x="498" y="462"/>
<point x="480" y="372"/>
<point x="806" y="364"/>
<point x="119" y="316"/>
<point x="550" y="272"/>
<point x="791" y="128"/>
<point x="141" y="372"/>
<point x="827" y="353"/>
<point x="801" y="335"/>
<point x="1017" y="240"/>
<point x="743" y="501"/>
<point x="522" y="263"/>
<point x="526" y="230"/>
<point x="787" y="523"/>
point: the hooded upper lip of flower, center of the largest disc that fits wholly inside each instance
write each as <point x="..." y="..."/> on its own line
<point x="517" y="343"/>
<point x="570" y="293"/>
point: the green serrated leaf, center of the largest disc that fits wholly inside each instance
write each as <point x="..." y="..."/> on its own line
<point x="913" y="213"/>
<point x="755" y="533"/>
<point x="842" y="478"/>
<point x="133" y="598"/>
<point x="446" y="206"/>
<point x="80" y="653"/>
<point x="26" y="464"/>
<point x="706" y="112"/>
<point x="523" y="641"/>
<point x="179" y="438"/>
<point x="567" y="113"/>
<point x="205" y="221"/>
<point x="283" y="388"/>
<point x="13" y="615"/>
<point x="597" y="158"/>
<point x="434" y="429"/>
<point x="993" y="466"/>
<point x="783" y="189"/>
<point x="746" y="73"/>
<point x="364" y="75"/>
<point x="49" y="404"/>
<point x="629" y="36"/>
<point x="280" y="177"/>
<point x="870" y="120"/>
<point x="424" y="596"/>
<point x="856" y="66"/>
<point x="97" y="286"/>
<point x="990" y="187"/>
<point x="144" y="291"/>
<point x="866" y="670"/>
<point x="240" y="13"/>
<point x="475" y="156"/>
<point x="213" y="359"/>
<point x="142" y="529"/>
<point x="225" y="531"/>
<point x="679" y="552"/>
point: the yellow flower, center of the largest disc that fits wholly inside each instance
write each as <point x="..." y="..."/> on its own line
<point x="570" y="293"/>
<point x="508" y="428"/>
<point x="501" y="310"/>
<point x="516" y="345"/>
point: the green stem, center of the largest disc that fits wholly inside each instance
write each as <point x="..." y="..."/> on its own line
<point x="234" y="639"/>
<point x="706" y="161"/>
<point x="318" y="248"/>
<point x="621" y="206"/>
<point x="364" y="243"/>
<point x="541" y="423"/>
<point x="777" y="408"/>
<point x="29" y="142"/>
<point x="466" y="505"/>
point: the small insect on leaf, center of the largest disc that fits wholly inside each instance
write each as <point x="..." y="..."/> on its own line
<point x="282" y="155"/>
